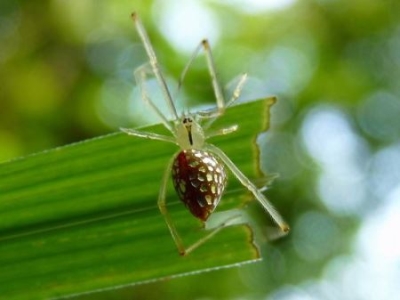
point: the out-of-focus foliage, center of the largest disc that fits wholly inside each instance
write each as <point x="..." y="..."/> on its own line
<point x="66" y="75"/>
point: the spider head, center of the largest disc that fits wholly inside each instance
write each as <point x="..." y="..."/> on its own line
<point x="190" y="135"/>
<point x="187" y="121"/>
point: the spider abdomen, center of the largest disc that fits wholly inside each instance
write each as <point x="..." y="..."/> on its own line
<point x="199" y="179"/>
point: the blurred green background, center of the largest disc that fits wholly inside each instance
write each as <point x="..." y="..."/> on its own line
<point x="66" y="75"/>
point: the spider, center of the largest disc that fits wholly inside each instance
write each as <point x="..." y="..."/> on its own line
<point x="198" y="169"/>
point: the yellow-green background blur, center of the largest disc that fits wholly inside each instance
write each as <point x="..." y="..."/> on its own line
<point x="66" y="74"/>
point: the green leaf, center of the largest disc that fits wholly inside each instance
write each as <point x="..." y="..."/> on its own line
<point x="84" y="217"/>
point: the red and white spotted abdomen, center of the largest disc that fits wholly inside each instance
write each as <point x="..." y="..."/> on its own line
<point x="199" y="179"/>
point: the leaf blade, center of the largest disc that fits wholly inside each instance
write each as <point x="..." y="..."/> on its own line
<point x="89" y="210"/>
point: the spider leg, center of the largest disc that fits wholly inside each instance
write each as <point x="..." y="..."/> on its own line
<point x="187" y="67"/>
<point x="221" y="105"/>
<point x="238" y="84"/>
<point x="227" y="222"/>
<point x="230" y="220"/>
<point x="211" y="67"/>
<point x="141" y="79"/>
<point x="154" y="64"/>
<point x="251" y="187"/>
<point x="213" y="115"/>
<point x="149" y="135"/>
<point x="222" y="131"/>
<point x="163" y="208"/>
<point x="213" y="73"/>
<point x="238" y="90"/>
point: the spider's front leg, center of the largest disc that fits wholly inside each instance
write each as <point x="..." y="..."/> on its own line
<point x="141" y="80"/>
<point x="156" y="70"/>
<point x="149" y="135"/>
<point x="211" y="67"/>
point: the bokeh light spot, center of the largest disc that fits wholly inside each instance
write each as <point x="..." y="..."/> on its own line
<point x="186" y="23"/>
<point x="315" y="236"/>
<point x="329" y="138"/>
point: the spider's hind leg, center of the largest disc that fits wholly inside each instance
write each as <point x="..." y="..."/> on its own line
<point x="215" y="224"/>
<point x="284" y="227"/>
<point x="215" y="227"/>
<point x="162" y="205"/>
